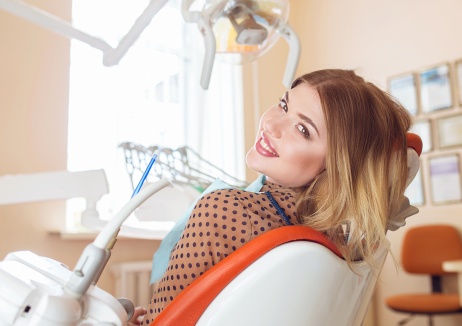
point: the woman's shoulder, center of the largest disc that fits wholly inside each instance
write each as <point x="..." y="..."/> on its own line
<point x="230" y="195"/>
<point x="229" y="201"/>
<point x="247" y="199"/>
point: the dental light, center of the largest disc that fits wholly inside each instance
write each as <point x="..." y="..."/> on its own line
<point x="235" y="31"/>
<point x="239" y="31"/>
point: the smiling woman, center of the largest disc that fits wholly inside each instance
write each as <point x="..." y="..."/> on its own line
<point x="294" y="132"/>
<point x="312" y="174"/>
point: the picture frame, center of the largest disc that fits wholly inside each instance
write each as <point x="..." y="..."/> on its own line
<point x="415" y="191"/>
<point x="435" y="88"/>
<point x="445" y="179"/>
<point x="458" y="65"/>
<point x="450" y="131"/>
<point x="423" y="128"/>
<point x="404" y="89"/>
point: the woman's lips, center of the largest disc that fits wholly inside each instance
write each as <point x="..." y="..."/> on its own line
<point x="265" y="148"/>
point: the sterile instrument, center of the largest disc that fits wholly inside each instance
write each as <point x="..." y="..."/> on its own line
<point x="181" y="165"/>
<point x="35" y="290"/>
<point x="235" y="31"/>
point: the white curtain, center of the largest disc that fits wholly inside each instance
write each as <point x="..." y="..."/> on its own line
<point x="214" y="117"/>
<point x="145" y="99"/>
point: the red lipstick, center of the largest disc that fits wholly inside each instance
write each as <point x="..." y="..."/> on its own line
<point x="265" y="148"/>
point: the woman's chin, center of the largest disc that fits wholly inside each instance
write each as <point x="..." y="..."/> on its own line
<point x="253" y="161"/>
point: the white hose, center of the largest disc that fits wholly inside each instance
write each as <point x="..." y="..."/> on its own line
<point x="112" y="227"/>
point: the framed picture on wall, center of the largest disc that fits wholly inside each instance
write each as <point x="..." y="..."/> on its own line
<point x="435" y="88"/>
<point x="459" y="80"/>
<point x="404" y="89"/>
<point x="423" y="128"/>
<point x="415" y="191"/>
<point x="450" y="131"/>
<point x="445" y="180"/>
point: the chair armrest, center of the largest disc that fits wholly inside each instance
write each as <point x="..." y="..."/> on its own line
<point x="455" y="266"/>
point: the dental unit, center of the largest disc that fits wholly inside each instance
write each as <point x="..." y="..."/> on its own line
<point x="36" y="290"/>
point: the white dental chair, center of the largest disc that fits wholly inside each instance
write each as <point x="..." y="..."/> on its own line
<point x="292" y="275"/>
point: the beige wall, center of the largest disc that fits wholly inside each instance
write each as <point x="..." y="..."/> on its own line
<point x="34" y="73"/>
<point x="379" y="39"/>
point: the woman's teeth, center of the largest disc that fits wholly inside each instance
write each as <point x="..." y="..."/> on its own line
<point x="265" y="146"/>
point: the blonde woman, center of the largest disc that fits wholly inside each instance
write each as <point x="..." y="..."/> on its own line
<point x="332" y="154"/>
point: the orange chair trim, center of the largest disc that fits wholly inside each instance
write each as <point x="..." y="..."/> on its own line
<point x="189" y="305"/>
<point x="414" y="141"/>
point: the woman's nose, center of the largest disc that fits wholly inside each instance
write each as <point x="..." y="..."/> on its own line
<point x="273" y="127"/>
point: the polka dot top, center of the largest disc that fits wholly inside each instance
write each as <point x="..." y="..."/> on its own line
<point x="220" y="223"/>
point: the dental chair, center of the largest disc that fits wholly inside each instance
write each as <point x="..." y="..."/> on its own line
<point x="292" y="275"/>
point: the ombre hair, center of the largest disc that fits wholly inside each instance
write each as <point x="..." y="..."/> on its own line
<point x="366" y="163"/>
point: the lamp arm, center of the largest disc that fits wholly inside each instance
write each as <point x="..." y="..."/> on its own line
<point x="294" y="53"/>
<point x="113" y="56"/>
<point x="210" y="48"/>
<point x="51" y="22"/>
<point x="189" y="16"/>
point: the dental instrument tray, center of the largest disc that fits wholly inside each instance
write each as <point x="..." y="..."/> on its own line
<point x="36" y="290"/>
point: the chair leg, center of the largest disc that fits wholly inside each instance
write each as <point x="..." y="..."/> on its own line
<point x="430" y="320"/>
<point x="406" y="320"/>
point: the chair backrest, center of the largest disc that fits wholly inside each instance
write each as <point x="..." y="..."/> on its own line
<point x="292" y="275"/>
<point x="425" y="248"/>
<point x="265" y="283"/>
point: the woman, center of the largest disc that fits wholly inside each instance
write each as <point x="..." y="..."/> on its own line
<point x="328" y="149"/>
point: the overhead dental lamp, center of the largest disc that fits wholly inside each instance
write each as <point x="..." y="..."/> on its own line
<point x="235" y="31"/>
<point x="239" y="31"/>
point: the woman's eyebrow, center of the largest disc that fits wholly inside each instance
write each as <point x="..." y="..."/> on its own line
<point x="309" y="121"/>
<point x="300" y="115"/>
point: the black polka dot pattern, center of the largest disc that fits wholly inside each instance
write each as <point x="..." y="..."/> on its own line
<point x="221" y="222"/>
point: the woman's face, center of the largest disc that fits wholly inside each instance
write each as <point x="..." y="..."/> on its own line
<point x="291" y="145"/>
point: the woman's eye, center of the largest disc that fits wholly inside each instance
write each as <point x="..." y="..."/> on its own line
<point x="283" y="104"/>
<point x="303" y="130"/>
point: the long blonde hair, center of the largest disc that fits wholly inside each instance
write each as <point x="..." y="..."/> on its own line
<point x="366" y="160"/>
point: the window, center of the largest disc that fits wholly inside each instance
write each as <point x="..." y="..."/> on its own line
<point x="151" y="97"/>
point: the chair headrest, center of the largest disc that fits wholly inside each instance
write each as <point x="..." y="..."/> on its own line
<point x="414" y="141"/>
<point x="405" y="209"/>
<point x="414" y="144"/>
